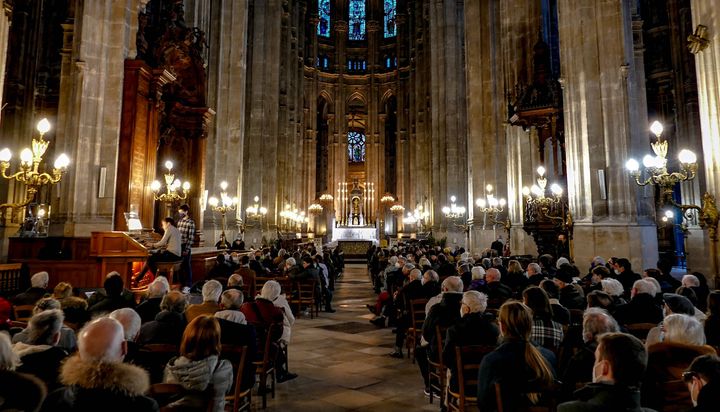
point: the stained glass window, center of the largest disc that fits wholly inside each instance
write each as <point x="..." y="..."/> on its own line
<point x="356" y="15"/>
<point x="324" y="15"/>
<point x="356" y="146"/>
<point x="390" y="30"/>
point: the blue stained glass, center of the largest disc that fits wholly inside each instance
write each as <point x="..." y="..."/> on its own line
<point x="390" y="14"/>
<point x="356" y="146"/>
<point x="356" y="15"/>
<point x="324" y="15"/>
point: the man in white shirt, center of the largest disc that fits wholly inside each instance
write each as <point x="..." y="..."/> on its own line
<point x="171" y="243"/>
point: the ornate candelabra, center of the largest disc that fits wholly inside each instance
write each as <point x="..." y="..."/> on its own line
<point x="223" y="205"/>
<point x="665" y="181"/>
<point x="539" y="207"/>
<point x="385" y="202"/>
<point x="30" y="162"/>
<point x="490" y="206"/>
<point x="453" y="211"/>
<point x="173" y="192"/>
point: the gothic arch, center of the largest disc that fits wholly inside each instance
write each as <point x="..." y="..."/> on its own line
<point x="389" y="93"/>
<point x="356" y="95"/>
<point x="327" y="96"/>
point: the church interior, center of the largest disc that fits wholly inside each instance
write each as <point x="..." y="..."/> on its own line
<point x="387" y="142"/>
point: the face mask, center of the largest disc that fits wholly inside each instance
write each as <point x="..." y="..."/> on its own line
<point x="182" y="213"/>
<point x="617" y="272"/>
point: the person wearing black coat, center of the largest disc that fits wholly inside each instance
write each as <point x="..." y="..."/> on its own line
<point x="703" y="382"/>
<point x="232" y="333"/>
<point x="411" y="291"/>
<point x="149" y="309"/>
<point x="114" y="297"/>
<point x="625" y="274"/>
<point x="474" y="328"/>
<point x="169" y="324"/>
<point x="642" y="308"/>
<point x="496" y="291"/>
<point x="571" y="296"/>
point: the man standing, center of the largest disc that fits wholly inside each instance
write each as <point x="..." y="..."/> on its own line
<point x="186" y="226"/>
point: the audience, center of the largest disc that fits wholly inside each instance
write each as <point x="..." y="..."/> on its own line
<point x="703" y="381"/>
<point x="169" y="323"/>
<point x="623" y="270"/>
<point x="96" y="377"/>
<point x="521" y="369"/>
<point x="496" y="291"/>
<point x="683" y="341"/>
<point x="130" y="321"/>
<point x="62" y="291"/>
<point x="39" y="354"/>
<point x="199" y="364"/>
<point x="545" y="331"/>
<point x="570" y="296"/>
<point x="211" y="291"/>
<point x="37" y="290"/>
<point x="672" y="303"/>
<point x="18" y="391"/>
<point x="620" y="362"/>
<point x="234" y="330"/>
<point x="561" y="314"/>
<point x="642" y="307"/>
<point x="615" y="289"/>
<point x="155" y="293"/>
<point x="67" y="341"/>
<point x="535" y="275"/>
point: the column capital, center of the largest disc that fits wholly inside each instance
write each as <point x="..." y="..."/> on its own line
<point x="341" y="26"/>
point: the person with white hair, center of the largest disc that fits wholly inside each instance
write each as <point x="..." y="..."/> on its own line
<point x="68" y="341"/>
<point x="474" y="328"/>
<point x="157" y="289"/>
<point x="534" y="274"/>
<point x="642" y="308"/>
<point x="700" y="288"/>
<point x="230" y="302"/>
<point x="614" y="288"/>
<point x="97" y="379"/>
<point x="38" y="289"/>
<point x="211" y="291"/>
<point x="683" y="341"/>
<point x="130" y="321"/>
<point x="40" y="355"/>
<point x="234" y="330"/>
<point x="18" y="391"/>
<point x="430" y="284"/>
<point x="496" y="291"/>
<point x="272" y="291"/>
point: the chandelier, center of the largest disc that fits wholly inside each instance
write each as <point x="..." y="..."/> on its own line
<point x="172" y="191"/>
<point x="223" y="205"/>
<point x="453" y="211"/>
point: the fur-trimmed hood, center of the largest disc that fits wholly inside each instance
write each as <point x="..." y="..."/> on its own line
<point x="117" y="377"/>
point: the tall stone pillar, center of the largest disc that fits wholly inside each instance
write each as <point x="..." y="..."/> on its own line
<point x="603" y="125"/>
<point x="707" y="13"/>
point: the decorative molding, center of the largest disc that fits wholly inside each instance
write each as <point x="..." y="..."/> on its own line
<point x="698" y="41"/>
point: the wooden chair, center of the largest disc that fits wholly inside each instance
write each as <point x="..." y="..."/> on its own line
<point x="265" y="361"/>
<point x="438" y="371"/>
<point x="416" y="307"/>
<point x="237" y="356"/>
<point x="640" y="330"/>
<point x="260" y="282"/>
<point x="23" y="313"/>
<point x="548" y="402"/>
<point x="169" y="269"/>
<point x="306" y="297"/>
<point x="154" y="356"/>
<point x="10" y="279"/>
<point x="468" y="360"/>
<point x="167" y="393"/>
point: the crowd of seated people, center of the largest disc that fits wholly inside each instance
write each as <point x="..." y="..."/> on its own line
<point x="605" y="339"/>
<point x="90" y="353"/>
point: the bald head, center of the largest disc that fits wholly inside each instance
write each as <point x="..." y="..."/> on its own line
<point x="102" y="340"/>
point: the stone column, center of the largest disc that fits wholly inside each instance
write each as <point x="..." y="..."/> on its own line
<point x="601" y="91"/>
<point x="706" y="13"/>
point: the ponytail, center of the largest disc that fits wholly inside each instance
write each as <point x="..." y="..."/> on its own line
<point x="537" y="363"/>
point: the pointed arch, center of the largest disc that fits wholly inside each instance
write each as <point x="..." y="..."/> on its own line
<point x="389" y="93"/>
<point x="356" y="95"/>
<point x="327" y="97"/>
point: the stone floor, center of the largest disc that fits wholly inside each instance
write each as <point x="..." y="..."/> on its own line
<point x="343" y="363"/>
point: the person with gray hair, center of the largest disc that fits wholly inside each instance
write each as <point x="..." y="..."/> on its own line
<point x="496" y="291"/>
<point x="230" y="302"/>
<point x="157" y="289"/>
<point x="169" y="324"/>
<point x="642" y="308"/>
<point x="96" y="377"/>
<point x="38" y="289"/>
<point x="130" y="321"/>
<point x="68" y="341"/>
<point x="579" y="369"/>
<point x="40" y="355"/>
<point x="684" y="341"/>
<point x="211" y="291"/>
<point x="474" y="328"/>
<point x="535" y="274"/>
<point x="18" y="391"/>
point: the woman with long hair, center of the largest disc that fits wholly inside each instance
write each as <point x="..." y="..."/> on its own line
<point x="520" y="368"/>
<point x="545" y="331"/>
<point x="199" y="364"/>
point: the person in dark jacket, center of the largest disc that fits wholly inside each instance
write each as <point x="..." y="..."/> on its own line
<point x="571" y="296"/>
<point x="444" y="314"/>
<point x="703" y="381"/>
<point x="561" y="314"/>
<point x="474" y="328"/>
<point x="430" y="284"/>
<point x="496" y="291"/>
<point x="712" y="323"/>
<point x="620" y="362"/>
<point x="445" y="268"/>
<point x="40" y="356"/>
<point x="151" y="306"/>
<point x="412" y="290"/>
<point x="642" y="308"/>
<point x="114" y="297"/>
<point x="96" y="377"/>
<point x="169" y="323"/>
<point x="18" y="391"/>
<point x="38" y="290"/>
<point x="624" y="273"/>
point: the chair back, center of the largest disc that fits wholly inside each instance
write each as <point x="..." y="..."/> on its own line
<point x="153" y="357"/>
<point x="468" y="360"/>
<point x="640" y="330"/>
<point x="260" y="281"/>
<point x="10" y="279"/>
<point x="548" y="401"/>
<point x="416" y="307"/>
<point x="167" y="394"/>
<point x="237" y="356"/>
<point x="23" y="313"/>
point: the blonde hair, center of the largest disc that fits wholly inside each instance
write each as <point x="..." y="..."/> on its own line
<point x="62" y="290"/>
<point x="514" y="266"/>
<point x="516" y="322"/>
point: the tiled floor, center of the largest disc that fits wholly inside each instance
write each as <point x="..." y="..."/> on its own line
<point x="343" y="365"/>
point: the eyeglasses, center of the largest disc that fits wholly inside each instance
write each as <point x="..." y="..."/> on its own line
<point x="688" y="376"/>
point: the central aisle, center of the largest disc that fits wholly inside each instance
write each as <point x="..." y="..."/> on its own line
<point x="342" y="360"/>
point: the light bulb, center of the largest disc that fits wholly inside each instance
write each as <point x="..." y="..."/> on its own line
<point x="503" y="202"/>
<point x="5" y="155"/>
<point x="649" y="161"/>
<point x="62" y="161"/>
<point x="213" y="201"/>
<point x="669" y="214"/>
<point x="235" y="200"/>
<point x="541" y="171"/>
<point x="256" y="199"/>
<point x="446" y="210"/>
<point x="43" y="126"/>
<point x="687" y="157"/>
<point x="223" y="185"/>
<point x="657" y="128"/>
<point x="169" y="165"/>
<point x="186" y="186"/>
<point x="556" y="189"/>
<point x="480" y="203"/>
<point x="493" y="202"/>
<point x="489" y="188"/>
<point x="263" y="210"/>
<point x="453" y="199"/>
<point x="632" y="165"/>
<point x="26" y="156"/>
<point x="155" y="186"/>
<point x="176" y="183"/>
<point x="535" y="189"/>
<point x="526" y="191"/>
<point x="659" y="162"/>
